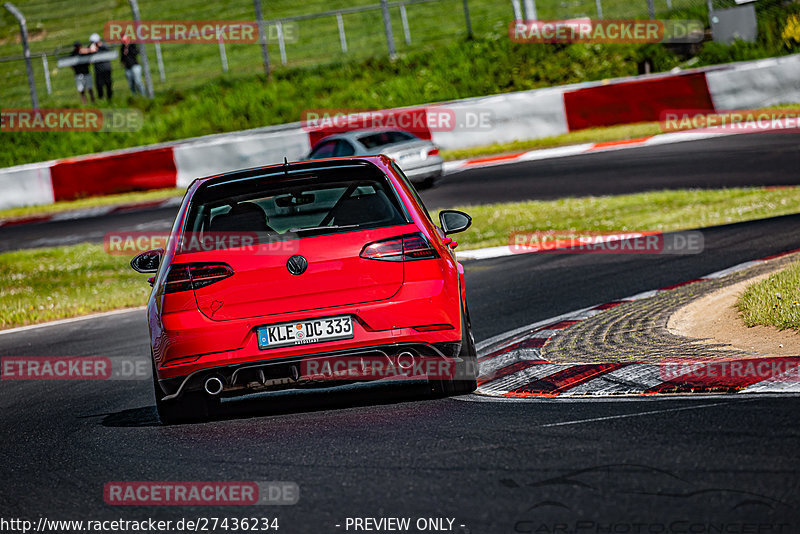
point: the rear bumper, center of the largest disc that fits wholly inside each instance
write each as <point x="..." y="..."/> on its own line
<point x="291" y="372"/>
<point x="423" y="311"/>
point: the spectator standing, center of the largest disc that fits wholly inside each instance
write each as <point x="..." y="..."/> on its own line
<point x="133" y="71"/>
<point x="83" y="80"/>
<point x="102" y="69"/>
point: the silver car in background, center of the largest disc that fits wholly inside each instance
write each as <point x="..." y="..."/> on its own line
<point x="419" y="159"/>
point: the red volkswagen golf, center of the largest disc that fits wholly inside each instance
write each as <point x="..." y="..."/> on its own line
<point x="301" y="275"/>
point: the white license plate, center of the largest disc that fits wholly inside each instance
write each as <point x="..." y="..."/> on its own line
<point x="305" y="332"/>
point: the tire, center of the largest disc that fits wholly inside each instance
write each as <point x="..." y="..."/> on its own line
<point x="468" y="367"/>
<point x="190" y="407"/>
<point x="427" y="183"/>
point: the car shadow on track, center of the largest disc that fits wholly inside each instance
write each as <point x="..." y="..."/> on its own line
<point x="286" y="402"/>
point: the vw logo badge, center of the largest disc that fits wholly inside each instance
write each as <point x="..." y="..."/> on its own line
<point x="297" y="264"/>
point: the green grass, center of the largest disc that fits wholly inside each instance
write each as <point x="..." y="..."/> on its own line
<point x="453" y="71"/>
<point x="55" y="24"/>
<point x="661" y="211"/>
<point x="51" y="283"/>
<point x="774" y="301"/>
<point x="91" y="202"/>
<point x="440" y="65"/>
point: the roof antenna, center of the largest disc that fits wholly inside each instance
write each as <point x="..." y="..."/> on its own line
<point x="285" y="166"/>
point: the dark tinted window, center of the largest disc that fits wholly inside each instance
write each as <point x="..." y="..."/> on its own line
<point x="384" y="138"/>
<point x="323" y="150"/>
<point x="308" y="202"/>
<point x="344" y="148"/>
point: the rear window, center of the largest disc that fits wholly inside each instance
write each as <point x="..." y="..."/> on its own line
<point x="384" y="138"/>
<point x="307" y="202"/>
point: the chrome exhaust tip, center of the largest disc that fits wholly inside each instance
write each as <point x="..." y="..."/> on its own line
<point x="405" y="360"/>
<point x="213" y="385"/>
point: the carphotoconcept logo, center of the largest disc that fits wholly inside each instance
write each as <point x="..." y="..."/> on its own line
<point x="71" y="120"/>
<point x="606" y="31"/>
<point x="198" y="31"/>
<point x="592" y="242"/>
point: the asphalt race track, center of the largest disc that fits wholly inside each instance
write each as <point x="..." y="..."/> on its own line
<point x="616" y="466"/>
<point x="762" y="159"/>
<point x="731" y="161"/>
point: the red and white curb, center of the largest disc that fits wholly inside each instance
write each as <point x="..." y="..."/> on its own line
<point x="451" y="167"/>
<point x="511" y="365"/>
<point x="522" y="115"/>
<point x="98" y="211"/>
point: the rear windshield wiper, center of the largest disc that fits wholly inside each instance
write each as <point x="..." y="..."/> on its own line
<point x="333" y="227"/>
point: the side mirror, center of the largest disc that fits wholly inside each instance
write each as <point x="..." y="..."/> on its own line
<point x="148" y="261"/>
<point x="453" y="221"/>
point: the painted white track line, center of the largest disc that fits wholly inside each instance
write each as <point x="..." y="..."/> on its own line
<point x="627" y="415"/>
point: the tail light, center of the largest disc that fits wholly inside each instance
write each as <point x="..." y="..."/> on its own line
<point x="186" y="276"/>
<point x="433" y="152"/>
<point x="406" y="248"/>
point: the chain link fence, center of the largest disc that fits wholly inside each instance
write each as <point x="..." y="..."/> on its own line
<point x="324" y="31"/>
